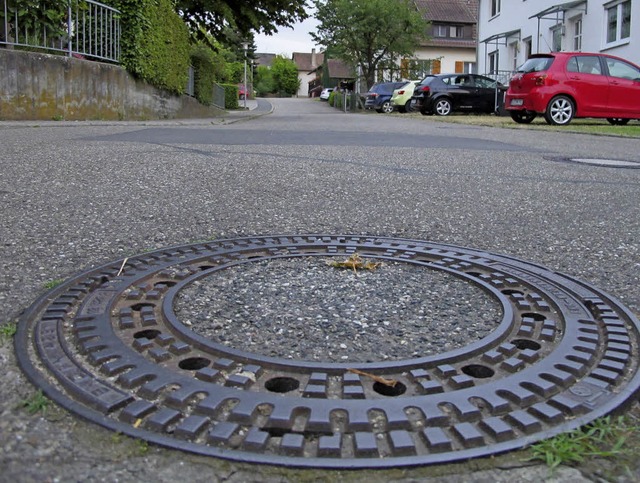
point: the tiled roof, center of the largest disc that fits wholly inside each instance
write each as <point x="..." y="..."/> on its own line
<point x="465" y="44"/>
<point x="304" y="60"/>
<point x="264" y="59"/>
<point x="339" y="70"/>
<point x="451" y="11"/>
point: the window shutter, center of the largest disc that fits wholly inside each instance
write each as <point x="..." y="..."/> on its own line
<point x="459" y="67"/>
<point x="435" y="66"/>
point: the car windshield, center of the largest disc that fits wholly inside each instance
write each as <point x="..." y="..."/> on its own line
<point x="536" y="64"/>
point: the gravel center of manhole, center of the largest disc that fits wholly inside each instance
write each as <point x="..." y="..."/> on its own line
<point x="303" y="309"/>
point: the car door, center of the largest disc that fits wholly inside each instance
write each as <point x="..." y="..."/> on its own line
<point x="624" y="89"/>
<point x="586" y="80"/>
<point x="486" y="94"/>
<point x="461" y="91"/>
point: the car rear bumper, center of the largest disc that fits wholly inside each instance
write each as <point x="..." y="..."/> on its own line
<point x="524" y="102"/>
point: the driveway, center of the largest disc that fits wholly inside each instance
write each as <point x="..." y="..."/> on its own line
<point x="78" y="195"/>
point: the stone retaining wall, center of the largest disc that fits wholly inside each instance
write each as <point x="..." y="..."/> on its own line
<point x="36" y="86"/>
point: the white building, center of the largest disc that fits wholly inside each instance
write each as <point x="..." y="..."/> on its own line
<point x="306" y="64"/>
<point x="511" y="30"/>
<point x="452" y="37"/>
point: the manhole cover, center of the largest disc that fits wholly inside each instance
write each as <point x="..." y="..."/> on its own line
<point x="108" y="345"/>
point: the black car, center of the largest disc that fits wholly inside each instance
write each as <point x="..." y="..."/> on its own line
<point x="441" y="94"/>
<point x="379" y="96"/>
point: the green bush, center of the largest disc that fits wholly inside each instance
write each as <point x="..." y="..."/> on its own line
<point x="264" y="81"/>
<point x="155" y="43"/>
<point x="332" y="98"/>
<point x="285" y="76"/>
<point x="231" y="94"/>
<point x="203" y="62"/>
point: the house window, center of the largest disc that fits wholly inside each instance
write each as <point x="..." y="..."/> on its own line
<point x="513" y="48"/>
<point x="556" y="38"/>
<point x="526" y="47"/>
<point x="618" y="21"/>
<point x="457" y="31"/>
<point x="577" y="34"/>
<point x="465" y="67"/>
<point x="493" y="62"/>
<point x="495" y="7"/>
<point x="440" y="30"/>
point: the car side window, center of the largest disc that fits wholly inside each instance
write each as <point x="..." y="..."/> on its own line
<point x="621" y="69"/>
<point x="585" y="64"/>
<point x="446" y="80"/>
<point x="463" y="80"/>
<point x="485" y="82"/>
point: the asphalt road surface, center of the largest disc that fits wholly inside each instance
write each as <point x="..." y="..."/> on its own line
<point x="76" y="195"/>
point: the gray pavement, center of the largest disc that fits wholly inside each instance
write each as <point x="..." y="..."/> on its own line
<point x="76" y="195"/>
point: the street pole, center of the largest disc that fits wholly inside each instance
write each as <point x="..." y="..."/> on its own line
<point x="245" y="46"/>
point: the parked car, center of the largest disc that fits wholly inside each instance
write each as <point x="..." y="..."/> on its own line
<point x="379" y="96"/>
<point x="242" y="91"/>
<point x="442" y="94"/>
<point x="401" y="97"/>
<point x="324" y="95"/>
<point x="566" y="85"/>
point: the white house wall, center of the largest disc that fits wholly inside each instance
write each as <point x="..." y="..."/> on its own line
<point x="514" y="15"/>
<point x="448" y="56"/>
<point x="304" y="78"/>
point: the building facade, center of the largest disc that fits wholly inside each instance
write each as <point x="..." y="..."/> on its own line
<point x="451" y="42"/>
<point x="509" y="31"/>
<point x="307" y="63"/>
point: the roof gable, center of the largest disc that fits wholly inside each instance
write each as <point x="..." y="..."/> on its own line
<point x="306" y="62"/>
<point x="450" y="11"/>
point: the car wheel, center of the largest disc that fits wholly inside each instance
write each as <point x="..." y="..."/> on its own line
<point x="408" y="107"/>
<point x="617" y="121"/>
<point x="560" y="111"/>
<point x="386" y="107"/>
<point x="442" y="107"/>
<point x="523" y="117"/>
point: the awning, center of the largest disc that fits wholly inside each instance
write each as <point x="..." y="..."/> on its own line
<point x="503" y="35"/>
<point x="562" y="7"/>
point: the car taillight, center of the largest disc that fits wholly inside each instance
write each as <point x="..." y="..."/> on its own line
<point x="539" y="80"/>
<point x="424" y="89"/>
<point x="400" y="92"/>
<point x="374" y="94"/>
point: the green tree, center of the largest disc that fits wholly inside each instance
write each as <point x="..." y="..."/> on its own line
<point x="371" y="34"/>
<point x="263" y="81"/>
<point x="285" y="76"/>
<point x="155" y="43"/>
<point x="221" y="17"/>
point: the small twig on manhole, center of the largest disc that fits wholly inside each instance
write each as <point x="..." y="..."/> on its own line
<point x="381" y="380"/>
<point x="124" y="262"/>
<point x="355" y="261"/>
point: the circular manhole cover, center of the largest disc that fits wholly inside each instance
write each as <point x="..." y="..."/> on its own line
<point x="119" y="346"/>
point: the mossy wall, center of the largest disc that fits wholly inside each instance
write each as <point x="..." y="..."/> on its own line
<point x="44" y="87"/>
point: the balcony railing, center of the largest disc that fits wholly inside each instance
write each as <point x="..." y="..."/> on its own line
<point x="84" y="28"/>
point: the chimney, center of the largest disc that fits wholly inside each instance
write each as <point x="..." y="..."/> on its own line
<point x="313" y="57"/>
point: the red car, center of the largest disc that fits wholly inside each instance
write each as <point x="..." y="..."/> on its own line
<point x="564" y="85"/>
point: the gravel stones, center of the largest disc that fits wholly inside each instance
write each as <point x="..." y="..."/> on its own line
<point x="301" y="308"/>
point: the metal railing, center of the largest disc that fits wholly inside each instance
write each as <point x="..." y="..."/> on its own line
<point x="76" y="27"/>
<point x="502" y="76"/>
<point x="218" y="96"/>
